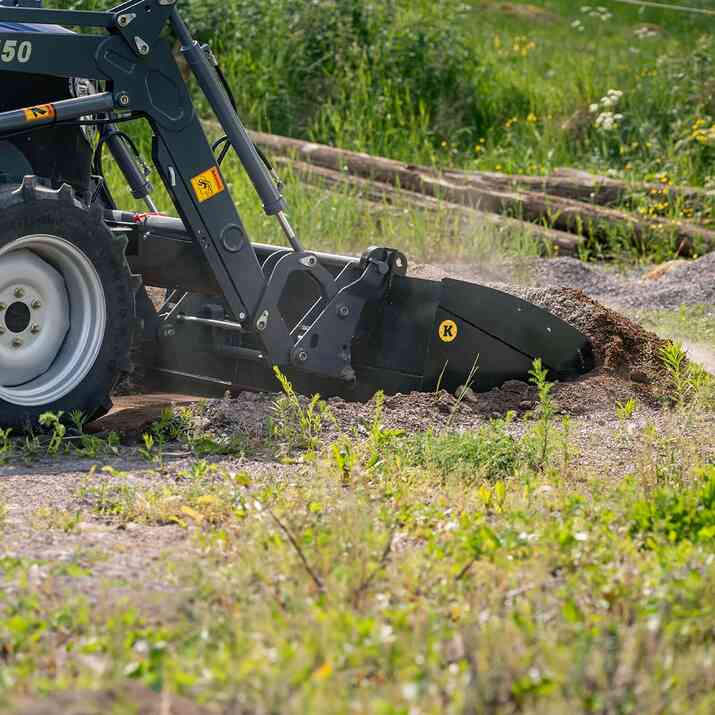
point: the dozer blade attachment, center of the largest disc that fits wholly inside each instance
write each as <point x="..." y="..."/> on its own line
<point x="431" y="334"/>
<point x="415" y="335"/>
<point x="424" y="335"/>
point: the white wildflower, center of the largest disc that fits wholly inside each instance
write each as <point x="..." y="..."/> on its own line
<point x="409" y="691"/>
<point x="580" y="536"/>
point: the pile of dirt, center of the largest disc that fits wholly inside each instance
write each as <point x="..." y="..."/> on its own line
<point x="628" y="357"/>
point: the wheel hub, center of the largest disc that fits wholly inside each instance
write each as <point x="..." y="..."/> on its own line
<point x="17" y="317"/>
<point x="34" y="316"/>
<point x="52" y="319"/>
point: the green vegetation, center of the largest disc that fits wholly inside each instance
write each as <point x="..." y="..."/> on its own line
<point x="393" y="573"/>
<point x="695" y="323"/>
<point x="361" y="580"/>
<point x="483" y="83"/>
<point x="381" y="571"/>
<point x="515" y="87"/>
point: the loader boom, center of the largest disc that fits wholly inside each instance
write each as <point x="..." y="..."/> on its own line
<point x="145" y="80"/>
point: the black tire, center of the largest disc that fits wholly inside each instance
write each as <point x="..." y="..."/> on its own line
<point x="34" y="209"/>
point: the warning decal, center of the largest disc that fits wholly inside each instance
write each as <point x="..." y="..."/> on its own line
<point x="447" y="331"/>
<point x="207" y="184"/>
<point x="39" y="112"/>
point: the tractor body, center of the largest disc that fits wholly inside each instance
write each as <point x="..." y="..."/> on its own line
<point x="73" y="310"/>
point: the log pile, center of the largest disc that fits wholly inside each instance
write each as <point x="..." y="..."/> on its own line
<point x="561" y="210"/>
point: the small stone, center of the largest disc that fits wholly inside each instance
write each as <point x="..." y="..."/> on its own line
<point x="526" y="405"/>
<point x="516" y="387"/>
<point x="466" y="393"/>
<point x="640" y="376"/>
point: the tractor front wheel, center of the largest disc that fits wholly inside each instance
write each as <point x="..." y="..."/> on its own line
<point x="67" y="306"/>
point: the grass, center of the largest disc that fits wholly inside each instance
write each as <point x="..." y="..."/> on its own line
<point x="476" y="85"/>
<point x="450" y="573"/>
<point x="438" y="571"/>
<point x="693" y="323"/>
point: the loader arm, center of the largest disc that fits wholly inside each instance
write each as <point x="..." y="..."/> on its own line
<point x="340" y="324"/>
<point x="145" y="81"/>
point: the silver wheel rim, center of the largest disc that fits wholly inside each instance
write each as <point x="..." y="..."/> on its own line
<point x="52" y="319"/>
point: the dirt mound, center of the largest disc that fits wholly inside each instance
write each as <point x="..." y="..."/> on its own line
<point x="620" y="345"/>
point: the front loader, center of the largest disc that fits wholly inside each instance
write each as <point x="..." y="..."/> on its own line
<point x="74" y="313"/>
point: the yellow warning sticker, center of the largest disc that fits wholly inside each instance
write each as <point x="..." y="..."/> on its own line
<point x="207" y="184"/>
<point x="447" y="331"/>
<point x="39" y="111"/>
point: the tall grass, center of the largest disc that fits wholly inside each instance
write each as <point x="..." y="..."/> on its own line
<point x="480" y="84"/>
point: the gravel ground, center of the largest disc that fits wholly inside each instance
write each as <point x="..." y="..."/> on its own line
<point x="668" y="287"/>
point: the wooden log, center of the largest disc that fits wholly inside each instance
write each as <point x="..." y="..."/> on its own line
<point x="382" y="193"/>
<point x="559" y="213"/>
<point x="582" y="186"/>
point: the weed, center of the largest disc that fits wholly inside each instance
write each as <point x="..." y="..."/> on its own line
<point x="379" y="437"/>
<point x="544" y="412"/>
<point x="147" y="451"/>
<point x="687" y="380"/>
<point x="678" y="514"/>
<point x="625" y="410"/>
<point x="489" y="453"/>
<point x="462" y="392"/>
<point x="295" y="425"/>
<point x="54" y="422"/>
<point x="5" y="445"/>
<point x="53" y="518"/>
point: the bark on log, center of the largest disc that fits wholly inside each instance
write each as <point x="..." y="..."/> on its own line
<point x="559" y="213"/>
<point x="379" y="192"/>
<point x="582" y="186"/>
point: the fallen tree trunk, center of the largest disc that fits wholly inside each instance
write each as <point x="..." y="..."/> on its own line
<point x="559" y="213"/>
<point x="582" y="186"/>
<point x="379" y="192"/>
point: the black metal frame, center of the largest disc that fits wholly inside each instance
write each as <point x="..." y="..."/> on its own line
<point x="143" y="79"/>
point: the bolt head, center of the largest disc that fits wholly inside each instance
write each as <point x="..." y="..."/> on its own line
<point x="17" y="342"/>
<point x="123" y="99"/>
<point x="302" y="355"/>
<point x="36" y="304"/>
<point x="343" y="311"/>
<point x="35" y="329"/>
<point x="19" y="293"/>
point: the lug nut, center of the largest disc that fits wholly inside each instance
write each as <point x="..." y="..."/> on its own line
<point x="2" y="307"/>
<point x="35" y="329"/>
<point x="36" y="304"/>
<point x="19" y="292"/>
<point x="17" y="342"/>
